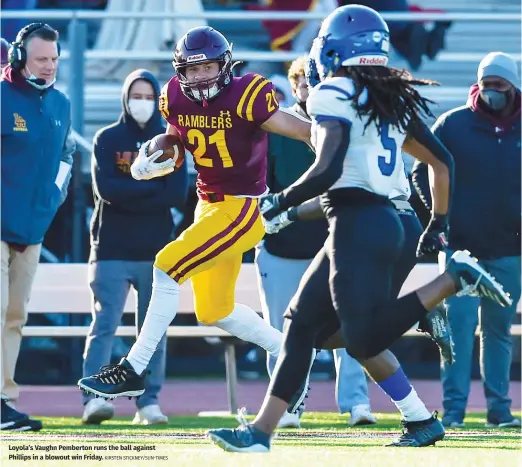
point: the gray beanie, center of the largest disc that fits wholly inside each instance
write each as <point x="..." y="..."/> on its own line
<point x="499" y="64"/>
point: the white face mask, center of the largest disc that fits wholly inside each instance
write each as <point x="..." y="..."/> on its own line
<point x="32" y="78"/>
<point x="141" y="109"/>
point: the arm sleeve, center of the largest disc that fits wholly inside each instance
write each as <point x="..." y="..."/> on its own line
<point x="109" y="185"/>
<point x="326" y="169"/>
<point x="332" y="112"/>
<point x="257" y="102"/>
<point x="432" y="140"/>
<point x="419" y="178"/>
<point x="164" y="101"/>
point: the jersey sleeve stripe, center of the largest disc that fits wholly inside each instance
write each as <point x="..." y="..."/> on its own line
<point x="325" y="118"/>
<point x="335" y="88"/>
<point x="250" y="106"/>
<point x="164" y="102"/>
<point x="239" y="109"/>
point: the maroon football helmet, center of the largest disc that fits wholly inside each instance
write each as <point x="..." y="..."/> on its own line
<point x="200" y="45"/>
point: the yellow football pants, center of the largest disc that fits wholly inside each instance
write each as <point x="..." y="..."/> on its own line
<point x="210" y="253"/>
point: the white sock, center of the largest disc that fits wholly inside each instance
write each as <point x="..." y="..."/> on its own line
<point x="246" y="324"/>
<point x="412" y="408"/>
<point x="163" y="307"/>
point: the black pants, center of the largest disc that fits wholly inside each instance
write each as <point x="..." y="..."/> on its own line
<point x="352" y="284"/>
<point x="407" y="260"/>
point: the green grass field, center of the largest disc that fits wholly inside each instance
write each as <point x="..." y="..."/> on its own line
<point x="326" y="440"/>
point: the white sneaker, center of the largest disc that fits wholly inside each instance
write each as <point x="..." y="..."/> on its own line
<point x="150" y="415"/>
<point x="362" y="415"/>
<point x="513" y="423"/>
<point x="96" y="411"/>
<point x="289" y="420"/>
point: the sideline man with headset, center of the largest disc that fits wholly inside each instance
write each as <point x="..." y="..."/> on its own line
<point x="37" y="150"/>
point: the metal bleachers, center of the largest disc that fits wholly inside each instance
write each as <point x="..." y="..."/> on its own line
<point x="455" y="68"/>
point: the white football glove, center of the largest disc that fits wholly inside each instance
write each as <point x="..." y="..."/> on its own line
<point x="145" y="168"/>
<point x="276" y="224"/>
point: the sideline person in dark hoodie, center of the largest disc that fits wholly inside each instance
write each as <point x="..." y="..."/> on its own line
<point x="484" y="139"/>
<point x="131" y="222"/>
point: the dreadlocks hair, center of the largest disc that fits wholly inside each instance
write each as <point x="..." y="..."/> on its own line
<point x="391" y="96"/>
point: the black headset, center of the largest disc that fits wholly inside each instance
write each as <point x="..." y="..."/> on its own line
<point x="17" y="55"/>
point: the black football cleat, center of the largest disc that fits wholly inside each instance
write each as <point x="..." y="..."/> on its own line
<point x="420" y="434"/>
<point x="435" y="324"/>
<point x="471" y="278"/>
<point x="114" y="381"/>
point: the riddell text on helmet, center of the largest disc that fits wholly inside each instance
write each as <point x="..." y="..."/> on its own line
<point x="372" y="61"/>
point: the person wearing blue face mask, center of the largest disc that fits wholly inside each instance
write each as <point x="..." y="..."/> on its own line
<point x="484" y="139"/>
<point x="499" y="87"/>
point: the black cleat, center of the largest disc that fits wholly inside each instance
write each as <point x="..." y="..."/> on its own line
<point x="420" y="434"/>
<point x="114" y="381"/>
<point x="436" y="325"/>
<point x="471" y="278"/>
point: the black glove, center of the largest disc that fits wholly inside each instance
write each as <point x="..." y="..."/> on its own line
<point x="435" y="237"/>
<point x="270" y="205"/>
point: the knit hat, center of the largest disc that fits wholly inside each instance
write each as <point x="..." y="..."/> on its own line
<point x="499" y="64"/>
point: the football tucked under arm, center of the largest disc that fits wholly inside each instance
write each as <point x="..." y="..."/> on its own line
<point x="146" y="165"/>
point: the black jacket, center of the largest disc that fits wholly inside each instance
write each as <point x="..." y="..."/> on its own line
<point x="486" y="208"/>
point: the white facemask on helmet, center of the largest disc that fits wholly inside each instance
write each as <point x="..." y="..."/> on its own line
<point x="208" y="94"/>
<point x="141" y="110"/>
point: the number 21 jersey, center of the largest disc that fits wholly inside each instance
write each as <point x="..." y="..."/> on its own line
<point x="226" y="138"/>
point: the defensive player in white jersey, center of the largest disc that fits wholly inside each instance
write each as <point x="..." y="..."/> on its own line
<point x="383" y="366"/>
<point x="363" y="113"/>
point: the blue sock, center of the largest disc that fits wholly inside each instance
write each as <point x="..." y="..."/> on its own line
<point x="397" y="386"/>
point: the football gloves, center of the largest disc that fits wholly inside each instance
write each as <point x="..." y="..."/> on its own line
<point x="276" y="224"/>
<point x="435" y="237"/>
<point x="145" y="168"/>
<point x="270" y="206"/>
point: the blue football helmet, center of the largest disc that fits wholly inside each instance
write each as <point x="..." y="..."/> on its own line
<point x="352" y="35"/>
<point x="200" y="45"/>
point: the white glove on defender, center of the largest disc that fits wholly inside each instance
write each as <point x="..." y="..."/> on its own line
<point x="277" y="223"/>
<point x="144" y="168"/>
